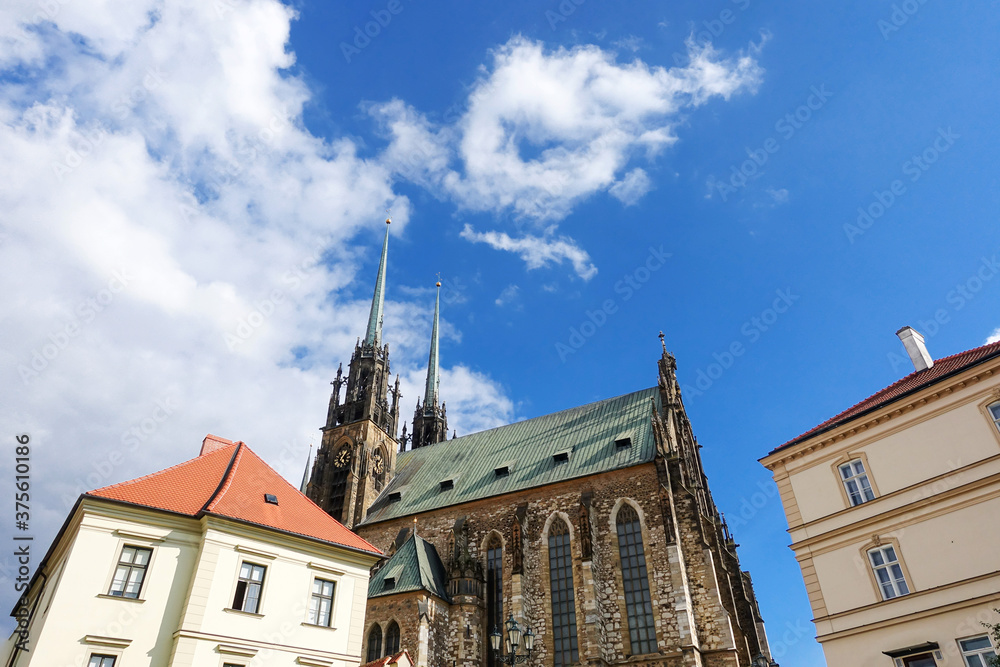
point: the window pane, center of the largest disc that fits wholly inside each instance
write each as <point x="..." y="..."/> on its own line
<point x="890" y="554"/>
<point x="141" y="556"/>
<point x="995" y="410"/>
<point x="973" y="661"/>
<point x="976" y="643"/>
<point x="876" y="557"/>
<point x="245" y="571"/>
<point x="845" y="471"/>
<point x="859" y="467"/>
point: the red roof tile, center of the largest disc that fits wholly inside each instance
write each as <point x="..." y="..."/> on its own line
<point x="913" y="382"/>
<point x="388" y="660"/>
<point x="230" y="480"/>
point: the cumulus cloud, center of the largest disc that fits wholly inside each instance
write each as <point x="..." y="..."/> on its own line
<point x="537" y="251"/>
<point x="544" y="129"/>
<point x="180" y="255"/>
<point x="508" y="295"/>
<point x="993" y="337"/>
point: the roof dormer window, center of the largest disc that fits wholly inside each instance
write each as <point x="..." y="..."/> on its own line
<point x="502" y="471"/>
<point x="447" y="485"/>
<point x="270" y="499"/>
<point x="560" y="458"/>
<point x="388" y="583"/>
<point x="623" y="442"/>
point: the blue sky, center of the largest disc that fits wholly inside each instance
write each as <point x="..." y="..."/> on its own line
<point x="192" y="198"/>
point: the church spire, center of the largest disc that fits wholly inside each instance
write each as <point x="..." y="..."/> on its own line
<point x="374" y="334"/>
<point x="431" y="389"/>
<point x="430" y="421"/>
<point x="305" y="473"/>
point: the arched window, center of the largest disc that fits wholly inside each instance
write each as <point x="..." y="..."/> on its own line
<point x="494" y="591"/>
<point x="564" y="648"/>
<point x="374" y="643"/>
<point x="638" y="605"/>
<point x="995" y="413"/>
<point x="392" y="639"/>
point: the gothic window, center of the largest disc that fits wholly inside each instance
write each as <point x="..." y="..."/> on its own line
<point x="494" y="590"/>
<point x="338" y="482"/>
<point x="635" y="579"/>
<point x="564" y="648"/>
<point x="374" y="643"/>
<point x="392" y="639"/>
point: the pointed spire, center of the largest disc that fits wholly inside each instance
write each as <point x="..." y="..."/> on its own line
<point x="431" y="388"/>
<point x="374" y="334"/>
<point x="305" y="473"/>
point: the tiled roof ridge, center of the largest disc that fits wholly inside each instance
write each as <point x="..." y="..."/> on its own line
<point x="129" y="482"/>
<point x="310" y="500"/>
<point x="227" y="478"/>
<point x="845" y="414"/>
<point x="552" y="414"/>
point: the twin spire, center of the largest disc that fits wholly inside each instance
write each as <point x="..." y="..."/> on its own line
<point x="430" y="424"/>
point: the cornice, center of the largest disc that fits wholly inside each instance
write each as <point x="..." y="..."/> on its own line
<point x="863" y="423"/>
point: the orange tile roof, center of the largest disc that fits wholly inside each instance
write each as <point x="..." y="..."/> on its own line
<point x="913" y="382"/>
<point x="388" y="660"/>
<point x="229" y="480"/>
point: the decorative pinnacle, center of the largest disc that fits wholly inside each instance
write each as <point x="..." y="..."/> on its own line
<point x="663" y="342"/>
<point x="373" y="336"/>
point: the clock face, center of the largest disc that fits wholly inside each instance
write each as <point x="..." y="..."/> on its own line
<point x="343" y="457"/>
<point x="378" y="465"/>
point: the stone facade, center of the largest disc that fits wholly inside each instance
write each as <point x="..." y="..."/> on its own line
<point x="701" y="606"/>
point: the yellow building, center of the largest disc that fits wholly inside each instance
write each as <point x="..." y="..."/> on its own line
<point x="893" y="510"/>
<point x="215" y="562"/>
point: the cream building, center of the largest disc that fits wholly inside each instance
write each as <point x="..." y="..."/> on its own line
<point x="216" y="562"/>
<point x="893" y="510"/>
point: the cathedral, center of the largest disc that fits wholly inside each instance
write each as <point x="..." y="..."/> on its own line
<point x="593" y="527"/>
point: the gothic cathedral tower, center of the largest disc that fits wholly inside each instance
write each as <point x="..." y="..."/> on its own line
<point x="358" y="452"/>
<point x="430" y="421"/>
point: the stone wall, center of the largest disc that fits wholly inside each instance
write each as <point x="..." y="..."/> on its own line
<point x="684" y="561"/>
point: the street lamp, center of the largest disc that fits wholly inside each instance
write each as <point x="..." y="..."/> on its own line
<point x="761" y="661"/>
<point x="514" y="637"/>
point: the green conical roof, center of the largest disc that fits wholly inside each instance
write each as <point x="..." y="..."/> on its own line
<point x="373" y="336"/>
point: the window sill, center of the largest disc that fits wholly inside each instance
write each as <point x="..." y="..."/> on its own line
<point x="321" y="627"/>
<point x="243" y="613"/>
<point x="119" y="597"/>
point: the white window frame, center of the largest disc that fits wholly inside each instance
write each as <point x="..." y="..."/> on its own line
<point x="314" y="612"/>
<point x="994" y="411"/>
<point x="103" y="657"/>
<point x="250" y="582"/>
<point x="894" y="585"/>
<point x="981" y="653"/>
<point x="853" y="473"/>
<point x="130" y="567"/>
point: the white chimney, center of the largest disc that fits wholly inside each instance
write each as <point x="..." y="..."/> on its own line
<point x="913" y="341"/>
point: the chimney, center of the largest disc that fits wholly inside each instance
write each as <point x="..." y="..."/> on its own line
<point x="913" y="341"/>
<point x="212" y="443"/>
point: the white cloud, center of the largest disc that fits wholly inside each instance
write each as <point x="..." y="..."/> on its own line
<point x="544" y="129"/>
<point x="993" y="337"/>
<point x="778" y="196"/>
<point x="180" y="255"/>
<point x="508" y="295"/>
<point x="632" y="187"/>
<point x="537" y="251"/>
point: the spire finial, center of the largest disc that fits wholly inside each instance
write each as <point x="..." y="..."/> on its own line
<point x="374" y="334"/>
<point x="663" y="342"/>
<point x="431" y="388"/>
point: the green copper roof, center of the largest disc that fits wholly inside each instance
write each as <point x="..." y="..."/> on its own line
<point x="431" y="389"/>
<point x="586" y="435"/>
<point x="373" y="336"/>
<point x="415" y="567"/>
